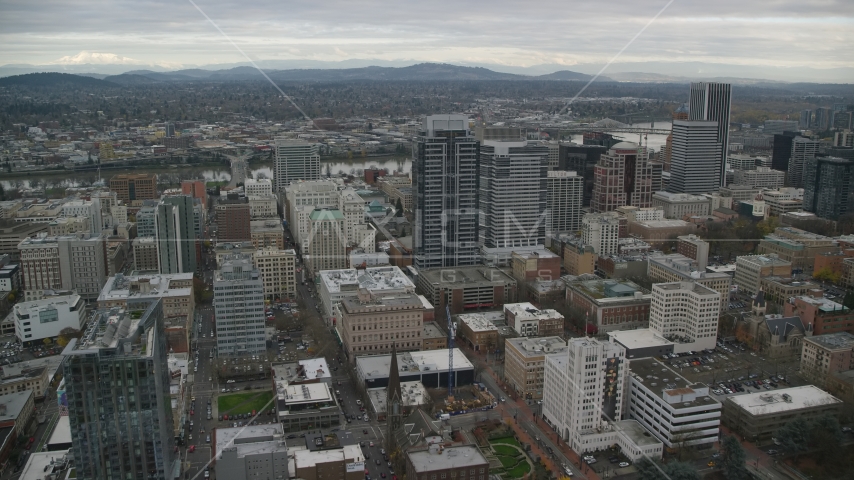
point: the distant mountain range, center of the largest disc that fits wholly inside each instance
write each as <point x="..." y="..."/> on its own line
<point x="418" y="72"/>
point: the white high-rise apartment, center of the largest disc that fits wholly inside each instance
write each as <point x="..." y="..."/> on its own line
<point x="259" y="187"/>
<point x="710" y="101"/>
<point x="602" y="232"/>
<point x="565" y="193"/>
<point x="685" y="313"/>
<point x="295" y="160"/>
<point x="239" y="307"/>
<point x="802" y="149"/>
<point x="695" y="157"/>
<point x="583" y="390"/>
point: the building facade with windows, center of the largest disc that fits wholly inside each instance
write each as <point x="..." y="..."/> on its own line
<point x="685" y="313"/>
<point x="117" y="386"/>
<point x="524" y="363"/>
<point x="46" y="318"/>
<point x="239" y="307"/>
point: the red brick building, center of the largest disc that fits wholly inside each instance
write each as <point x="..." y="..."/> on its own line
<point x="825" y="315"/>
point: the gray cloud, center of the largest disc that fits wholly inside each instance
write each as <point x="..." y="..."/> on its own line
<point x="768" y="33"/>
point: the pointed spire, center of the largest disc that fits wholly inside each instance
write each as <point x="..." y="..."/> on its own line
<point x="393" y="378"/>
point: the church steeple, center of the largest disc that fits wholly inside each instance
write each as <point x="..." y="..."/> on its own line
<point x="394" y="406"/>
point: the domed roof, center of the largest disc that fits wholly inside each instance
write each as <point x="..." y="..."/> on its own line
<point x="625" y="146"/>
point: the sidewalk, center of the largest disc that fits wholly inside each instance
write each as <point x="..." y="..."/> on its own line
<point x="525" y="413"/>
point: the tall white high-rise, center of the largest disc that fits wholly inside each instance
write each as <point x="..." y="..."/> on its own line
<point x="583" y="390"/>
<point x="239" y="307"/>
<point x="685" y="313"/>
<point x="694" y="157"/>
<point x="295" y="160"/>
<point x="565" y="194"/>
<point x="710" y="101"/>
<point x="602" y="232"/>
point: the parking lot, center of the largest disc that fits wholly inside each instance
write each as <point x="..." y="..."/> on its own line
<point x="732" y="369"/>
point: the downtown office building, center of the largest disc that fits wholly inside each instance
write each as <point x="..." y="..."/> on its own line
<point x="710" y="102"/>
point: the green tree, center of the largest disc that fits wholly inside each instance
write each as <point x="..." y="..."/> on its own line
<point x="826" y="439"/>
<point x="826" y="274"/>
<point x="794" y="437"/>
<point x="649" y="470"/>
<point x="733" y="459"/>
<point x="849" y="299"/>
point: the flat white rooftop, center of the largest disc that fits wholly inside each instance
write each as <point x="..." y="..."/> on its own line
<point x="477" y="322"/>
<point x="118" y="287"/>
<point x="428" y="361"/>
<point x="371" y="278"/>
<point x="640" y="338"/>
<point x="450" y="457"/>
<point x="38" y="464"/>
<point x="252" y="440"/>
<point x="773" y="402"/>
<point x="527" y="312"/>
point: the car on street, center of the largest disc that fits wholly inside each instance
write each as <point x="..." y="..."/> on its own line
<point x="192" y="449"/>
<point x="623" y="464"/>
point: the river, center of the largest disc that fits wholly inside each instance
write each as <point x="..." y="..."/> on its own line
<point x="334" y="167"/>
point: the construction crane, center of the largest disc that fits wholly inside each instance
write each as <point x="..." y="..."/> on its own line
<point x="452" y="331"/>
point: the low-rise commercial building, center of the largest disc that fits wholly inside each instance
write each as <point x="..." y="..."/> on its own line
<point x="464" y="462"/>
<point x="610" y="304"/>
<point x="477" y="331"/>
<point x="825" y="315"/>
<point x="660" y="233"/>
<point x="12" y="233"/>
<point x="784" y="200"/>
<point x="376" y="323"/>
<point x="797" y="246"/>
<point x="758" y="416"/>
<point x="336" y="285"/>
<point x="267" y="232"/>
<point x="330" y="457"/>
<point x="824" y="355"/>
<point x="16" y="410"/>
<point x="678" y="412"/>
<point x="251" y="452"/>
<point x="750" y="269"/>
<point x="40" y="319"/>
<point x="762" y="177"/>
<point x="467" y="287"/>
<point x="524" y="363"/>
<point x="529" y="321"/>
<point x="430" y="368"/>
<point x="641" y="343"/>
<point x="780" y="289"/>
<point x="19" y="378"/>
<point x="579" y="258"/>
<point x="433" y="337"/>
<point x="304" y="396"/>
<point x="680" y="205"/>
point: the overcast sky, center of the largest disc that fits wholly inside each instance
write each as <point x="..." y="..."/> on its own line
<point x="815" y="34"/>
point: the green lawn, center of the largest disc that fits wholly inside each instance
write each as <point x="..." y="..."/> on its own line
<point x="507" y="462"/>
<point x="520" y="470"/>
<point x="507" y="440"/>
<point x="505" y="450"/>
<point x="244" y="402"/>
